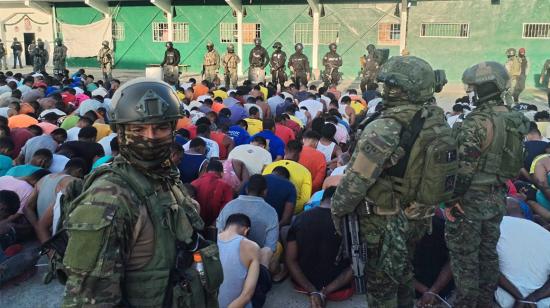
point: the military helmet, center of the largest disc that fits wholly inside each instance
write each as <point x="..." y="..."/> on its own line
<point x="413" y="75"/>
<point x="332" y="46"/>
<point x="40" y="43"/>
<point x="487" y="72"/>
<point x="230" y="48"/>
<point x="371" y="48"/>
<point x="209" y="44"/>
<point x="144" y="101"/>
<point x="299" y="46"/>
<point x="257" y="41"/>
<point x="277" y="45"/>
<point x="510" y="52"/>
<point x="105" y="43"/>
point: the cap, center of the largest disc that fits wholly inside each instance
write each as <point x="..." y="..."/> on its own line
<point x="40" y="84"/>
<point x="197" y="257"/>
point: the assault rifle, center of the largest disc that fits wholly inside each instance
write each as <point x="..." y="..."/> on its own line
<point x="354" y="250"/>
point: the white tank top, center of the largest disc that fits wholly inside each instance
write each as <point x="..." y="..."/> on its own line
<point x="326" y="150"/>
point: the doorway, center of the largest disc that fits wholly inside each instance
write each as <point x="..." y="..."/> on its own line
<point x="28" y="39"/>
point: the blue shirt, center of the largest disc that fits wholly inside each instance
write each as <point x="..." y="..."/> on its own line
<point x="237" y="113"/>
<point x="275" y="145"/>
<point x="190" y="166"/>
<point x="103" y="160"/>
<point x="6" y="163"/>
<point x="22" y="171"/>
<point x="239" y="135"/>
<point x="181" y="140"/>
<point x="279" y="192"/>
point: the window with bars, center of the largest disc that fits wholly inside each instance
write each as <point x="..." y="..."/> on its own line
<point x="536" y="30"/>
<point x="389" y="33"/>
<point x="445" y="30"/>
<point x="328" y="33"/>
<point x="118" y="31"/>
<point x="229" y="33"/>
<point x="181" y="32"/>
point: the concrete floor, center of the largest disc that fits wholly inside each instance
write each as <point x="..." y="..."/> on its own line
<point x="33" y="293"/>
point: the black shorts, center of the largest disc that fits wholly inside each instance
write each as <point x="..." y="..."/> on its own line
<point x="262" y="287"/>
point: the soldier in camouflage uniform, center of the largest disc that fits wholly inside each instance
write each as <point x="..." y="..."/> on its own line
<point x="170" y="64"/>
<point x="230" y="61"/>
<point x="490" y="150"/>
<point x="59" y="56"/>
<point x="545" y="73"/>
<point x="3" y="55"/>
<point x="370" y="64"/>
<point x="258" y="59"/>
<point x="366" y="188"/>
<point x="105" y="58"/>
<point x="124" y="229"/>
<point x="211" y="63"/>
<point x="299" y="66"/>
<point x="40" y="57"/>
<point x="332" y="62"/>
<point x="513" y="66"/>
<point x="277" y="63"/>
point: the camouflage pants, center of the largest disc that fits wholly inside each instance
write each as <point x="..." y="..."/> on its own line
<point x="365" y="81"/>
<point x="170" y="74"/>
<point x="231" y="78"/>
<point x="472" y="241"/>
<point x="386" y="258"/>
<point x="278" y="77"/>
<point x="331" y="77"/>
<point x="256" y="75"/>
<point x="210" y="73"/>
<point x="299" y="78"/>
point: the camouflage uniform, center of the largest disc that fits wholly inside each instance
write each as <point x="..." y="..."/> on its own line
<point x="59" y="56"/>
<point x="40" y="57"/>
<point x="370" y="64"/>
<point x="211" y="63"/>
<point x="277" y="63"/>
<point x="332" y="62"/>
<point x="230" y="61"/>
<point x="170" y="64"/>
<point x="480" y="190"/>
<point x="299" y="66"/>
<point x="258" y="59"/>
<point x="544" y="74"/>
<point x="367" y="190"/>
<point x="123" y="232"/>
<point x="3" y="56"/>
<point x="105" y="58"/>
<point x="513" y="66"/>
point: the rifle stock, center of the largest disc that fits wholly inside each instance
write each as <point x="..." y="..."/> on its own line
<point x="355" y="251"/>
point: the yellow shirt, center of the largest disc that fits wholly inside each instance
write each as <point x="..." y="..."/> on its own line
<point x="535" y="161"/>
<point x="543" y="128"/>
<point x="254" y="126"/>
<point x="299" y="176"/>
<point x="264" y="92"/>
<point x="295" y="119"/>
<point x="357" y="107"/>
<point x="220" y="93"/>
<point x="103" y="130"/>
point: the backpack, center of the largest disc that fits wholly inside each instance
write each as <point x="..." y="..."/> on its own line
<point x="426" y="175"/>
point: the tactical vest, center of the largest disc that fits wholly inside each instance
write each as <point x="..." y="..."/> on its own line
<point x="503" y="153"/>
<point x="257" y="59"/>
<point x="231" y="60"/>
<point x="514" y="67"/>
<point x="425" y="176"/>
<point x="211" y="58"/>
<point x="277" y="59"/>
<point x="298" y="62"/>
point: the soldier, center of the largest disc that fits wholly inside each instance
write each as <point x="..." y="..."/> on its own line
<point x="30" y="49"/>
<point x="230" y="62"/>
<point x="277" y="63"/>
<point x="134" y="215"/>
<point x="513" y="66"/>
<point x="370" y="64"/>
<point x="211" y="63"/>
<point x="40" y="57"/>
<point x="258" y="59"/>
<point x="490" y="151"/>
<point x="17" y="49"/>
<point x="59" y="56"/>
<point x="332" y="62"/>
<point x="543" y="75"/>
<point x="369" y="185"/>
<point x="170" y="64"/>
<point x="105" y="58"/>
<point x="3" y="55"/>
<point x="299" y="66"/>
<point x="523" y="74"/>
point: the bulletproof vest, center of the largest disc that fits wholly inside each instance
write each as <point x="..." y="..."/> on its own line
<point x="333" y="60"/>
<point x="231" y="60"/>
<point x="257" y="56"/>
<point x="426" y="174"/>
<point x="170" y="57"/>
<point x="298" y="62"/>
<point x="2" y="50"/>
<point x="17" y="46"/>
<point x="59" y="51"/>
<point x="211" y="58"/>
<point x="277" y="59"/>
<point x="105" y="55"/>
<point x="370" y="66"/>
<point x="503" y="152"/>
<point x="513" y="66"/>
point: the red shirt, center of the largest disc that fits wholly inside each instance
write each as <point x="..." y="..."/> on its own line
<point x="286" y="134"/>
<point x="218" y="137"/>
<point x="212" y="194"/>
<point x="316" y="163"/>
<point x="294" y="126"/>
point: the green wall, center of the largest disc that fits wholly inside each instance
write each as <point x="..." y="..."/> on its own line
<point x="493" y="29"/>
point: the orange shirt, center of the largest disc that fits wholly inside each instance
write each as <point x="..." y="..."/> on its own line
<point x="199" y="90"/>
<point x="47" y="128"/>
<point x="183" y="123"/>
<point x="286" y="134"/>
<point x="216" y="107"/>
<point x="316" y="163"/>
<point x="218" y="137"/>
<point x="21" y="121"/>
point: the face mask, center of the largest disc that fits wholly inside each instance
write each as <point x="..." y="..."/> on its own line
<point x="146" y="152"/>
